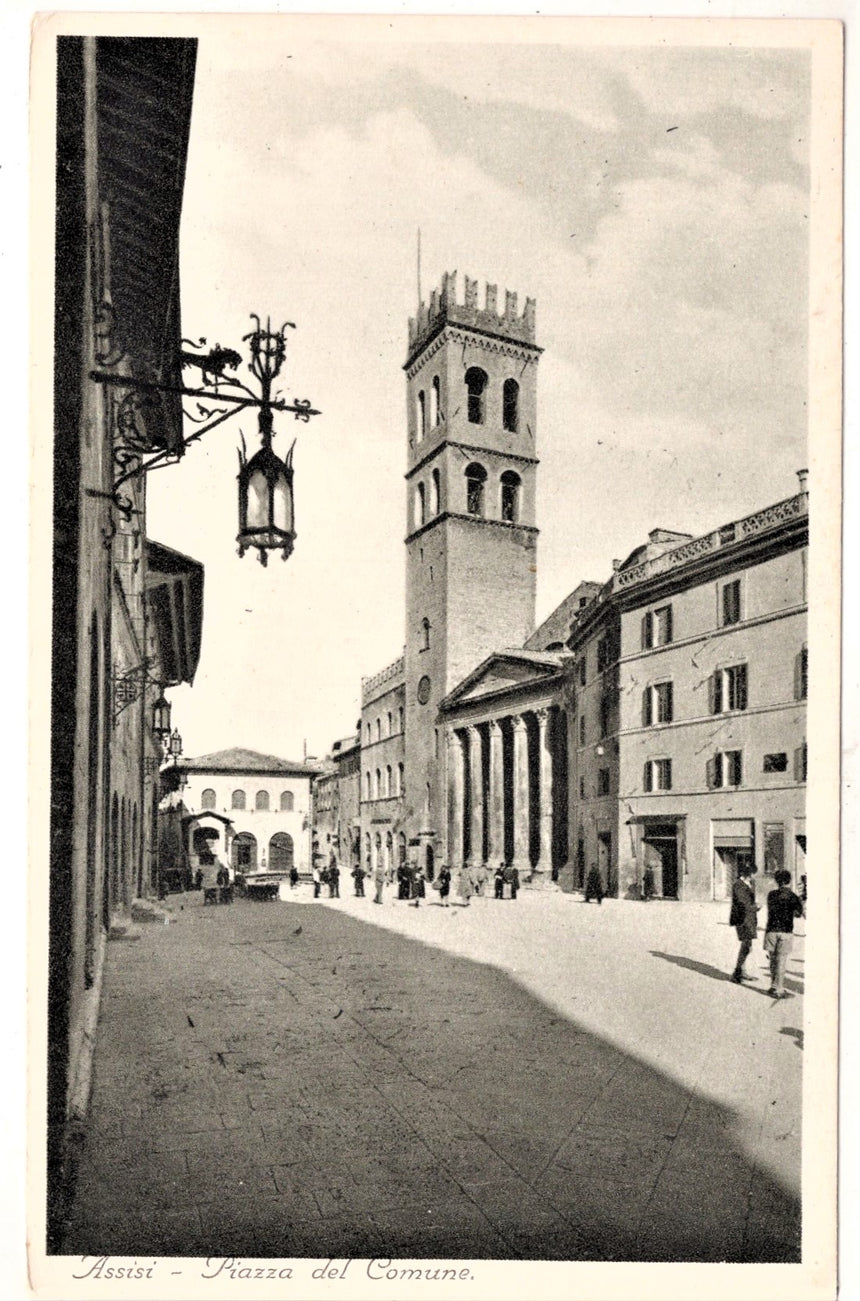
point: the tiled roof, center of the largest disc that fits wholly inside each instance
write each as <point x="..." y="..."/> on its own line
<point x="238" y="759"/>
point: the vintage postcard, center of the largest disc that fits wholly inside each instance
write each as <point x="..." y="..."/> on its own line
<point x="435" y="618"/>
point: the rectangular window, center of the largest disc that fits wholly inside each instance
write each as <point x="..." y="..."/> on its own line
<point x="582" y="671"/>
<point x="602" y="655"/>
<point x="658" y="704"/>
<point x="731" y="603"/>
<point x="776" y="762"/>
<point x="605" y="713"/>
<point x="725" y="769"/>
<point x="727" y="689"/>
<point x="657" y="627"/>
<point x="658" y="775"/>
<point x="603" y="781"/>
<point x="582" y="729"/>
<point x="774" y="847"/>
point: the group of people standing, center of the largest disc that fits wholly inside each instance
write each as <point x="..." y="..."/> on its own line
<point x="783" y="906"/>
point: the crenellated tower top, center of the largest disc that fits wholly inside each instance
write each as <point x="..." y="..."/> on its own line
<point x="444" y="309"/>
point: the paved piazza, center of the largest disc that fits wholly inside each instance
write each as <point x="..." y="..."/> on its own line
<point x="537" y="1078"/>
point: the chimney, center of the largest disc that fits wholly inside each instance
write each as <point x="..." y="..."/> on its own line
<point x="802" y="476"/>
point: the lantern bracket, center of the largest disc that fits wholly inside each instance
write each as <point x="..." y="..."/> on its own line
<point x="127" y="686"/>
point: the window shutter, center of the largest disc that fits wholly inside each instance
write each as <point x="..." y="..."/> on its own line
<point x="741" y="687"/>
<point x="798" y="764"/>
<point x="646" y="707"/>
<point x="667" y="769"/>
<point x="647" y="630"/>
<point x="715" y="693"/>
<point x="646" y="776"/>
<point x="669" y="630"/>
<point x="670" y="701"/>
<point x="798" y="679"/>
<point x="711" y="771"/>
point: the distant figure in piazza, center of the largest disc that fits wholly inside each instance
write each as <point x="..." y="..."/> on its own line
<point x="513" y="881"/>
<point x="499" y="881"/>
<point x="479" y="877"/>
<point x="358" y="878"/>
<point x="333" y="879"/>
<point x="294" y="877"/>
<point x="444" y="883"/>
<point x="317" y="880"/>
<point x="743" y="918"/>
<point x="378" y="881"/>
<point x="783" y="906"/>
<point x="594" y="885"/>
<point x="649" y="888"/>
<point x="416" y="886"/>
<point x="464" y="887"/>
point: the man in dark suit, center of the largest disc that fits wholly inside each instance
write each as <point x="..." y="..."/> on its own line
<point x="744" y="919"/>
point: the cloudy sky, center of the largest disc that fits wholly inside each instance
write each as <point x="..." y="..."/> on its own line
<point x="653" y="200"/>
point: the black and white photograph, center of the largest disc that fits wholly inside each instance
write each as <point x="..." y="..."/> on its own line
<point x="434" y="828"/>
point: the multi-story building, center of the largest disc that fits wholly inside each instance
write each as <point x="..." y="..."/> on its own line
<point x="126" y="611"/>
<point x="251" y="810"/>
<point x="690" y="670"/>
<point x="382" y="734"/>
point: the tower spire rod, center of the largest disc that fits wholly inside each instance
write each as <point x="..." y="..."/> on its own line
<point x="419" y="266"/>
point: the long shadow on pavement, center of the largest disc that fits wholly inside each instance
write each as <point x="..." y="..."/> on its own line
<point x="291" y="1081"/>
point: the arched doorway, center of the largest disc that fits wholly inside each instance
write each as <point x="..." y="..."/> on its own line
<point x="244" y="852"/>
<point x="281" y="854"/>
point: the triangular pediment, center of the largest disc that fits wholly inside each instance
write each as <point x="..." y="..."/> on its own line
<point x="502" y="672"/>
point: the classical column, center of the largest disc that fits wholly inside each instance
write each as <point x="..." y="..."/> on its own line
<point x="476" y="811"/>
<point x="545" y="792"/>
<point x="521" y="796"/>
<point x="455" y="801"/>
<point x="496" y="803"/>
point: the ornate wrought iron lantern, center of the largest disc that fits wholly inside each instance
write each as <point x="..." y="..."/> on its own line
<point x="266" y="515"/>
<point x="175" y="744"/>
<point x="161" y="718"/>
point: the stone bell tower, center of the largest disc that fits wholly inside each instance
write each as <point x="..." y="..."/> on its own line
<point x="471" y="539"/>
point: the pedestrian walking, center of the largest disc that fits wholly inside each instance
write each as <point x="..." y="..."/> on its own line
<point x="198" y="879"/>
<point x="416" y="886"/>
<point x="594" y="885"/>
<point x="444" y="884"/>
<point x="743" y="917"/>
<point x="464" y="887"/>
<point x="514" y="882"/>
<point x="333" y="879"/>
<point x="317" y="880"/>
<point x="294" y="877"/>
<point x="499" y="881"/>
<point x="379" y="882"/>
<point x="783" y="906"/>
<point x="358" y="878"/>
<point x="648" y="884"/>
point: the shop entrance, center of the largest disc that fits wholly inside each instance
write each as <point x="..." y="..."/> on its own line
<point x="660" y="853"/>
<point x="734" y="848"/>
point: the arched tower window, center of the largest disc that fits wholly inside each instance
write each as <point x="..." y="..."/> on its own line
<point x="379" y="729"/>
<point x="435" y="403"/>
<point x="367" y="785"/>
<point x="511" y="483"/>
<point x="400" y="718"/>
<point x="435" y="494"/>
<point x="476" y="388"/>
<point x="425" y="634"/>
<point x="262" y="801"/>
<point x="287" y="802"/>
<point x="207" y="799"/>
<point x="378" y="787"/>
<point x="420" y="506"/>
<point x="511" y="405"/>
<point x="400" y="779"/>
<point x="388" y="787"/>
<point x="237" y="800"/>
<point x="476" y="477"/>
<point x="420" y="415"/>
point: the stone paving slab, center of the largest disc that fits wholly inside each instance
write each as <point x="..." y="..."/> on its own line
<point x="313" y="1079"/>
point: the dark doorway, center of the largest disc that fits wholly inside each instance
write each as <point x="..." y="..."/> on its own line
<point x="660" y="853"/>
<point x="430" y="863"/>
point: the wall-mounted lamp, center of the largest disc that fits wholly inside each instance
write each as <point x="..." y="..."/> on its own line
<point x="266" y="516"/>
<point x="161" y="718"/>
<point x="174" y="745"/>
